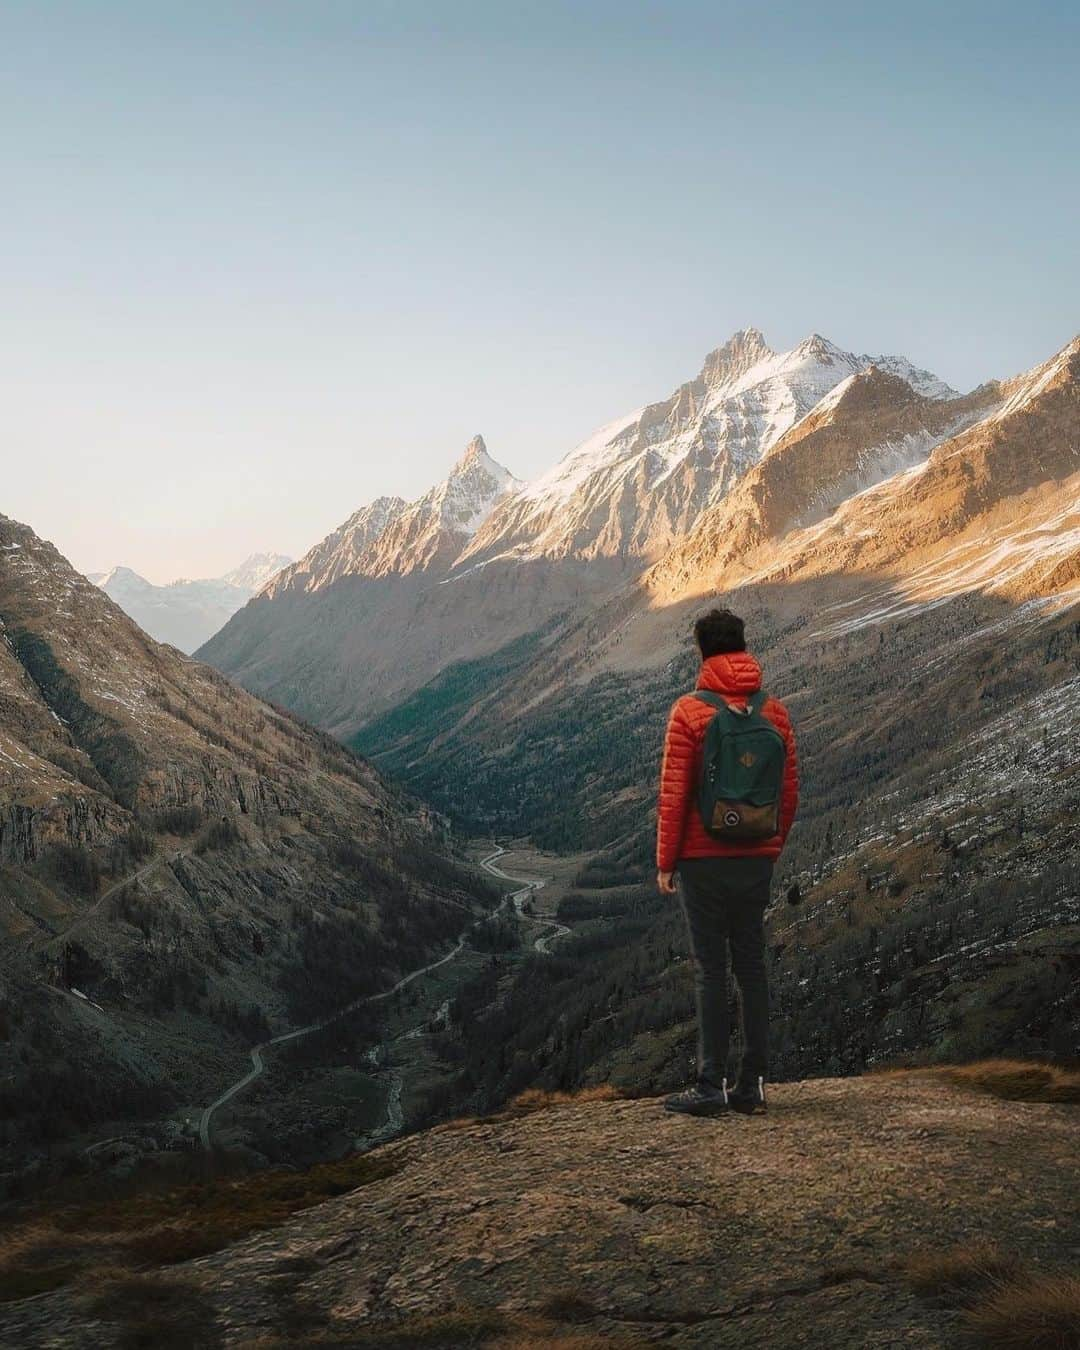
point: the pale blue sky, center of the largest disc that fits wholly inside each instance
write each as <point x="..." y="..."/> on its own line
<point x="263" y="261"/>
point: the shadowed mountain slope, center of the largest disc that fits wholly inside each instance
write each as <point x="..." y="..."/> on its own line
<point x="198" y="865"/>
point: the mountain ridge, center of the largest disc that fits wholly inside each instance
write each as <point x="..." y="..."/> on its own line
<point x="634" y="490"/>
<point x="321" y="636"/>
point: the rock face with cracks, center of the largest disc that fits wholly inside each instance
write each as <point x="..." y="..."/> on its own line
<point x="638" y="1226"/>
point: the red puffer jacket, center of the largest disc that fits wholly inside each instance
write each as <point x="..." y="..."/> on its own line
<point x="680" y="832"/>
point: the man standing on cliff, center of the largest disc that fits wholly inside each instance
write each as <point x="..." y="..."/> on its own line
<point x="729" y="788"/>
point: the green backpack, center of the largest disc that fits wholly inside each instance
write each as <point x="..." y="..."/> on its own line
<point x="742" y="771"/>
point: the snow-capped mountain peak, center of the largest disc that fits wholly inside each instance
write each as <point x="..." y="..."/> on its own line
<point x="256" y="570"/>
<point x="924" y="382"/>
<point x="464" y="499"/>
<point x="634" y="485"/>
<point x="121" y="578"/>
<point x="741" y="352"/>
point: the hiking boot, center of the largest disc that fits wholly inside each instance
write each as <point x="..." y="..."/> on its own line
<point x="700" y="1099"/>
<point x="748" y="1098"/>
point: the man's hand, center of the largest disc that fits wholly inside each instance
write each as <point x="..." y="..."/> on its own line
<point x="666" y="882"/>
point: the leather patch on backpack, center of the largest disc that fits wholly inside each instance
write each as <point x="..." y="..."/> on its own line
<point x="739" y="820"/>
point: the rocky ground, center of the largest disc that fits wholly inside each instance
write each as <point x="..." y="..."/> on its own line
<point x="612" y="1220"/>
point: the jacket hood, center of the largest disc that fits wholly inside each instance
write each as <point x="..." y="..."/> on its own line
<point x="730" y="673"/>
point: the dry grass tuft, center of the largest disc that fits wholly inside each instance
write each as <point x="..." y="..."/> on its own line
<point x="162" y="1227"/>
<point x="960" y="1274"/>
<point x="155" y="1313"/>
<point x="455" y="1329"/>
<point x="458" y="1123"/>
<point x="1006" y="1306"/>
<point x="534" y="1099"/>
<point x="35" y="1258"/>
<point x="1017" y="1080"/>
<point x="1042" y="1313"/>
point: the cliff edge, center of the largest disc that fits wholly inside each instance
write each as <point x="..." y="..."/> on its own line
<point x="613" y="1222"/>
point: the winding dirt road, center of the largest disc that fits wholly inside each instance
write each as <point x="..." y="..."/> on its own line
<point x="257" y="1065"/>
<point x="557" y="930"/>
<point x="393" y="1122"/>
<point x="163" y="859"/>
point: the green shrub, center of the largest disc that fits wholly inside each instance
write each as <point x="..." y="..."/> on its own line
<point x="178" y="819"/>
<point x="218" y="834"/>
<point x="74" y="867"/>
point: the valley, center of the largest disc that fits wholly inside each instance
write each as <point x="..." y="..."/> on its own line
<point x="226" y="927"/>
<point x="454" y="664"/>
<point x="372" y="1076"/>
<point x="524" y="899"/>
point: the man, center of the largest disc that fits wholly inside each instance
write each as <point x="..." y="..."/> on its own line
<point x="725" y="869"/>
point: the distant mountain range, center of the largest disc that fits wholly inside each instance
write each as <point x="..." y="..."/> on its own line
<point x="185" y="613"/>
<point x="762" y="457"/>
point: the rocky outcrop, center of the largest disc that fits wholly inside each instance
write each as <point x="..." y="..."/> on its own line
<point x="617" y="1219"/>
<point x="18" y="837"/>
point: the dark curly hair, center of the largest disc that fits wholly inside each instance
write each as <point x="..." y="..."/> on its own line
<point x="719" y="631"/>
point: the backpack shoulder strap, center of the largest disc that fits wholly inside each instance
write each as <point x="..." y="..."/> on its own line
<point x="754" y="703"/>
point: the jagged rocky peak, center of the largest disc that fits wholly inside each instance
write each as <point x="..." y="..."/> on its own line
<point x="476" y="483"/>
<point x="742" y="351"/>
<point x="475" y="450"/>
<point x="477" y="463"/>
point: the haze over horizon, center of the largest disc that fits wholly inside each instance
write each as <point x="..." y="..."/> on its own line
<point x="268" y="263"/>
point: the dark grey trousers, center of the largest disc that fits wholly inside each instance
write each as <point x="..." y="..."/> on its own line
<point x="724" y="900"/>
